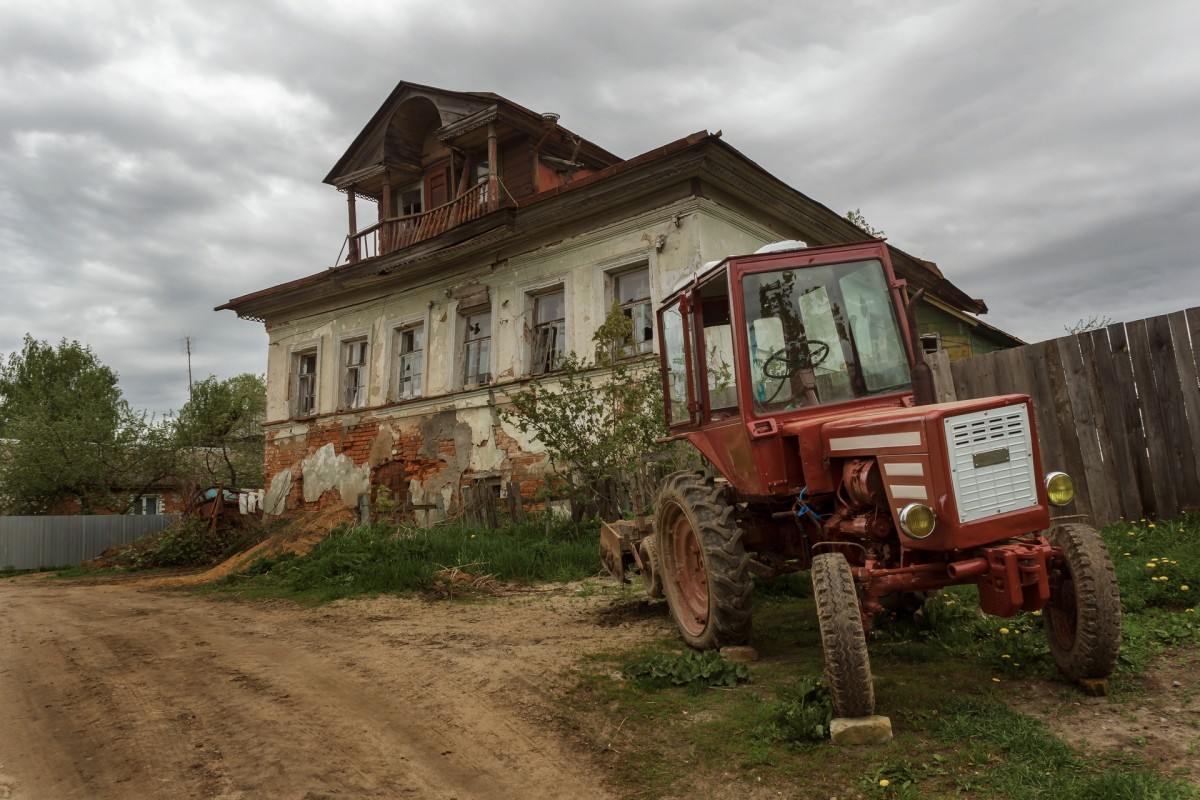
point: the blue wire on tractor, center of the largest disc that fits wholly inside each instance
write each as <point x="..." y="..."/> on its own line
<point x="802" y="508"/>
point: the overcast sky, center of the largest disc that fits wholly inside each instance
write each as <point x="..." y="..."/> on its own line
<point x="160" y="158"/>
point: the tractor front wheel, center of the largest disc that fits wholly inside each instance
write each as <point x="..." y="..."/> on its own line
<point x="705" y="569"/>
<point x="847" y="663"/>
<point x="1083" y="617"/>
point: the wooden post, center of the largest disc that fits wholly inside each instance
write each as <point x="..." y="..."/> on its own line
<point x="516" y="507"/>
<point x="386" y="212"/>
<point x="353" y="225"/>
<point x="493" y="165"/>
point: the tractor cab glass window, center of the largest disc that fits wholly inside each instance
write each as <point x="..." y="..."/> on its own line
<point x="821" y="335"/>
<point x="675" y="360"/>
<point x="717" y="350"/>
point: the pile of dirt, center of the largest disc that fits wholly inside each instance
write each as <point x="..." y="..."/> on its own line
<point x="296" y="534"/>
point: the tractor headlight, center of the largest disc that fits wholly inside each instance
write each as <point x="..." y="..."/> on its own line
<point x="1060" y="489"/>
<point x="917" y="520"/>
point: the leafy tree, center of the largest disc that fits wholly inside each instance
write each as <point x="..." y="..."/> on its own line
<point x="71" y="440"/>
<point x="221" y="429"/>
<point x="596" y="421"/>
<point x="856" y="216"/>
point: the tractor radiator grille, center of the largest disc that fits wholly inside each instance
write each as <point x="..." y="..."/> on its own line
<point x="991" y="462"/>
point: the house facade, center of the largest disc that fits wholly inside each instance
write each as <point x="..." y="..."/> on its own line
<point x="501" y="241"/>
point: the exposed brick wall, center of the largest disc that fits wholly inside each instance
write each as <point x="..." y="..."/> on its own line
<point x="411" y="457"/>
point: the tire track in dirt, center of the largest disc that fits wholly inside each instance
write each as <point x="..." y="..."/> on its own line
<point x="123" y="692"/>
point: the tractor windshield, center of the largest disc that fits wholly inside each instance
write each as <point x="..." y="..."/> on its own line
<point x="821" y="335"/>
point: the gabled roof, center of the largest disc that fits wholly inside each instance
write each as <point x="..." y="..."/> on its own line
<point x="457" y="112"/>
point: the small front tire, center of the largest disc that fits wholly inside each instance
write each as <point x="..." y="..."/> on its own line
<point x="847" y="663"/>
<point x="1083" y="617"/>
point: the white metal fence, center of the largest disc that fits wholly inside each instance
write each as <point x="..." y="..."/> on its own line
<point x="32" y="542"/>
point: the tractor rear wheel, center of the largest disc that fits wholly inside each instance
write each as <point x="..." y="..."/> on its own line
<point x="1083" y="617"/>
<point x="704" y="566"/>
<point x="847" y="663"/>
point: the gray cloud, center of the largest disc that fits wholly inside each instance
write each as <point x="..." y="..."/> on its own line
<point x="155" y="165"/>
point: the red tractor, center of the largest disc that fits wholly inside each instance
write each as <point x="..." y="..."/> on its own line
<point x="797" y="374"/>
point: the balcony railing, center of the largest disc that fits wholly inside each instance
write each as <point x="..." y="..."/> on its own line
<point x="396" y="233"/>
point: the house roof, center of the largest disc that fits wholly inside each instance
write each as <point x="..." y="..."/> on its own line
<point x="702" y="155"/>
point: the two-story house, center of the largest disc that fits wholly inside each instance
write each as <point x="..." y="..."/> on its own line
<point x="501" y="241"/>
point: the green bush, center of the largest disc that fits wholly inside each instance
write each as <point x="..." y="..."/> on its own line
<point x="190" y="542"/>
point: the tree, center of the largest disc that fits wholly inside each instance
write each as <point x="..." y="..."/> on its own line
<point x="597" y="422"/>
<point x="72" y="441"/>
<point x="1084" y="324"/>
<point x="856" y="216"/>
<point x="221" y="429"/>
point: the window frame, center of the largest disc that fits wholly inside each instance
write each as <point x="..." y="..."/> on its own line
<point x="557" y="329"/>
<point x="648" y="345"/>
<point x="298" y="356"/>
<point x="362" y="342"/>
<point x="416" y="329"/>
<point x="465" y="315"/>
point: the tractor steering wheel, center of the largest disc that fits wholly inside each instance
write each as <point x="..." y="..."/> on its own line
<point x="795" y="356"/>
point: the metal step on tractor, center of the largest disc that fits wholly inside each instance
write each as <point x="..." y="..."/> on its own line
<point x="797" y="373"/>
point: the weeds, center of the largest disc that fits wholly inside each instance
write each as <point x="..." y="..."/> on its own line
<point x="695" y="671"/>
<point x="447" y="560"/>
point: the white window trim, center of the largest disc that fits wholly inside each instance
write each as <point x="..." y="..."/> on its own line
<point x="343" y="340"/>
<point x="396" y="329"/>
<point x="611" y="271"/>
<point x="460" y="344"/>
<point x="310" y="346"/>
<point x="527" y="293"/>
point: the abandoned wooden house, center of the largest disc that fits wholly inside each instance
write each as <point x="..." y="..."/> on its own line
<point x="502" y="239"/>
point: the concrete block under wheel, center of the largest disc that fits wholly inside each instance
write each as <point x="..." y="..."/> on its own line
<point x="860" y="730"/>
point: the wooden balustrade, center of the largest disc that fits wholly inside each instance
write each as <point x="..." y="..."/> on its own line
<point x="396" y="233"/>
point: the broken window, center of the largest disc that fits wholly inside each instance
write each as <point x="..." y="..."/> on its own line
<point x="631" y="291"/>
<point x="549" y="332"/>
<point x="354" y="373"/>
<point x="304" y="403"/>
<point x="410" y="345"/>
<point x="477" y="349"/>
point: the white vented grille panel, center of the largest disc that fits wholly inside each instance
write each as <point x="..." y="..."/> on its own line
<point x="991" y="462"/>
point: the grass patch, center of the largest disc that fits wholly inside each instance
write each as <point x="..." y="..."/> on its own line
<point x="946" y="675"/>
<point x="383" y="559"/>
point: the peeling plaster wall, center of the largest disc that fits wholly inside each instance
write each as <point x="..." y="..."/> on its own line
<point x="450" y="436"/>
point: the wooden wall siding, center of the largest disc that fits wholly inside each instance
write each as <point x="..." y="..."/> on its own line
<point x="517" y="161"/>
<point x="1117" y="408"/>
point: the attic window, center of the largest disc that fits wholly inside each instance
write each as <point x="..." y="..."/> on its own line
<point x="408" y="200"/>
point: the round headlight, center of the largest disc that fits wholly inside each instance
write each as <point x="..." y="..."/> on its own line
<point x="917" y="520"/>
<point x="1060" y="489"/>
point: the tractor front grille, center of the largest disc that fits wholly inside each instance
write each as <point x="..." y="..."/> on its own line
<point x="991" y="462"/>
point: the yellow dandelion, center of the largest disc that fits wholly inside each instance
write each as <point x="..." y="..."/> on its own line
<point x="1037" y="613"/>
<point x="1151" y="563"/>
<point x="1006" y="655"/>
<point x="1015" y="664"/>
<point x="1185" y="588"/>
<point x="1151" y="525"/>
<point x="995" y="680"/>
<point x="1127" y="554"/>
<point x="1004" y="630"/>
<point x="884" y="782"/>
<point x="1163" y="578"/>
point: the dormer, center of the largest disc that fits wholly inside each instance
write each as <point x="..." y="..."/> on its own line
<point x="433" y="160"/>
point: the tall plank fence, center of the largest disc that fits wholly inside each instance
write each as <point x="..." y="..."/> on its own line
<point x="56" y="541"/>
<point x="1117" y="408"/>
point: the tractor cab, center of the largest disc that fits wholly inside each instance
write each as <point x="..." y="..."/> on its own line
<point x="752" y="343"/>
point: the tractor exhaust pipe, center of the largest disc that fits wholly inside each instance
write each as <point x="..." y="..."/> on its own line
<point x="922" y="375"/>
<point x="967" y="569"/>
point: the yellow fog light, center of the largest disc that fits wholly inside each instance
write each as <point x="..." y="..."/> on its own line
<point x="1060" y="489"/>
<point x="917" y="520"/>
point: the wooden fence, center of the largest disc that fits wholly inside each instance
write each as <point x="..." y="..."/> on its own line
<point x="1117" y="408"/>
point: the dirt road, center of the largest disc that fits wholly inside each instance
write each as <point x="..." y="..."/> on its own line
<point x="116" y="691"/>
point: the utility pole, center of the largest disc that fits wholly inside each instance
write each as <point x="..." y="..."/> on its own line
<point x="187" y="343"/>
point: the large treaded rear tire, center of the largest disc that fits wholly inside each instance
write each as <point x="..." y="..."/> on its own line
<point x="1083" y="619"/>
<point x="705" y="568"/>
<point x="847" y="663"/>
